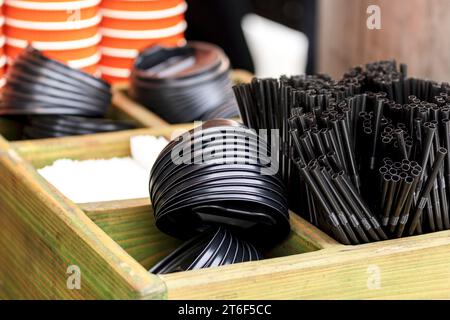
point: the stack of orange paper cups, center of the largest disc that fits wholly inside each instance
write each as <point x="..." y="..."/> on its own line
<point x="66" y="30"/>
<point x="129" y="26"/>
<point x="2" y="45"/>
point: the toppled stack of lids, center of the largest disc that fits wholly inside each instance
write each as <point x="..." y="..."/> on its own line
<point x="217" y="247"/>
<point x="67" y="31"/>
<point x="50" y="94"/>
<point x="218" y="175"/>
<point x="184" y="84"/>
<point x="128" y="26"/>
<point x="2" y="45"/>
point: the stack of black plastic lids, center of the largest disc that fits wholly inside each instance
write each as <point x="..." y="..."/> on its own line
<point x="216" y="180"/>
<point x="54" y="100"/>
<point x="184" y="84"/>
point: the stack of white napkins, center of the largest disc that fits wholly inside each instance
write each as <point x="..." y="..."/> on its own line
<point x="99" y="180"/>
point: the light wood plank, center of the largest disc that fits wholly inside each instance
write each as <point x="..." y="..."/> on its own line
<point x="409" y="268"/>
<point x="132" y="225"/>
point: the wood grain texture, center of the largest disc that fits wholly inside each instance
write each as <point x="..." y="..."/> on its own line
<point x="409" y="268"/>
<point x="413" y="31"/>
<point x="97" y="146"/>
<point x="43" y="233"/>
<point x="132" y="225"/>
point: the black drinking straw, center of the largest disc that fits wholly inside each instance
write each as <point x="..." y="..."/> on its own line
<point x="425" y="193"/>
<point x="446" y="125"/>
<point x="298" y="145"/>
<point x="386" y="181"/>
<point x="320" y="148"/>
<point x="378" y="113"/>
<point x="363" y="207"/>
<point x="334" y="161"/>
<point x="329" y="195"/>
<point x="401" y="200"/>
<point x="354" y="207"/>
<point x="350" y="154"/>
<point x="332" y="219"/>
<point x="401" y="143"/>
<point x="415" y="173"/>
<point x="438" y="192"/>
<point x="330" y="136"/>
<point x="429" y="136"/>
<point x="344" y="205"/>
<point x="390" y="197"/>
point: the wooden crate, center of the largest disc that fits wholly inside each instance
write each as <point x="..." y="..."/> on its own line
<point x="114" y="243"/>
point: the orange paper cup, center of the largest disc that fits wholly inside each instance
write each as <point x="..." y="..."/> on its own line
<point x="50" y="16"/>
<point x="114" y="80"/>
<point x="2" y="82"/>
<point x="144" y="34"/>
<point x="114" y="75"/>
<point x="61" y="55"/>
<point x="145" y="15"/>
<point x="92" y="70"/>
<point x="136" y="5"/>
<point x="85" y="62"/>
<point x="56" y="45"/>
<point x="116" y="62"/>
<point x="79" y="63"/>
<point x="119" y="53"/>
<point x="2" y="62"/>
<point x="51" y="35"/>
<point x="54" y="26"/>
<point x="123" y="24"/>
<point x="53" y="5"/>
<point x="140" y="44"/>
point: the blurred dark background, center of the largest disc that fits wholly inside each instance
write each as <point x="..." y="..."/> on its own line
<point x="219" y="22"/>
<point x="413" y="31"/>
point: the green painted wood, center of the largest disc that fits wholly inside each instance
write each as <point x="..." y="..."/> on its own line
<point x="43" y="233"/>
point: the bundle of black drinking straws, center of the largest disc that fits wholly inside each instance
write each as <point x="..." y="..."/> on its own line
<point x="364" y="158"/>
